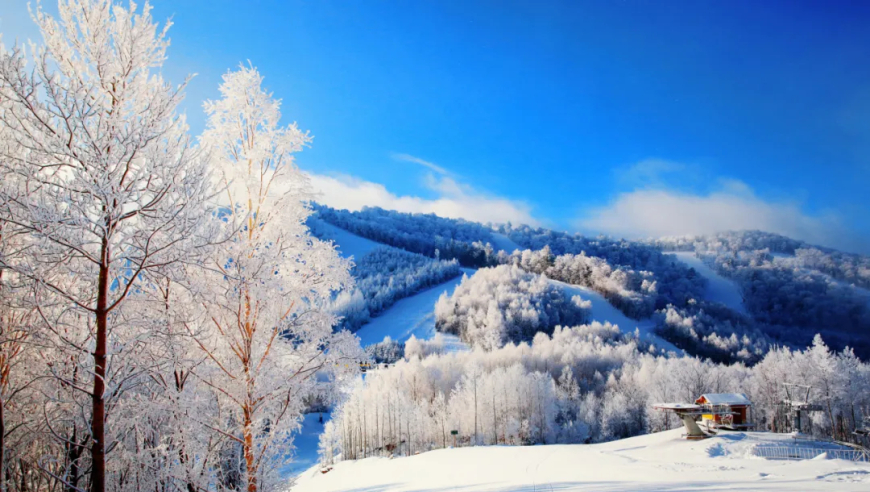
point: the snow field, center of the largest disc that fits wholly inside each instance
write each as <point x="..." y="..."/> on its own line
<point x="305" y="442"/>
<point x="348" y="243"/>
<point x="504" y="243"/>
<point x="663" y="461"/>
<point x="719" y="288"/>
<point x="604" y="311"/>
<point x="412" y="315"/>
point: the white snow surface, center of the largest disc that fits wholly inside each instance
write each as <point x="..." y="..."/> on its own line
<point x="504" y="243"/>
<point x="663" y="462"/>
<point x="349" y="244"/>
<point x="413" y="315"/>
<point x="726" y="399"/>
<point x="719" y="288"/>
<point x="305" y="442"/>
<point x="604" y="311"/>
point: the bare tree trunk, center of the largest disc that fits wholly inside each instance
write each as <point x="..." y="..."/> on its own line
<point x="3" y="415"/>
<point x="475" y="410"/>
<point x="494" y="425"/>
<point x="98" y="417"/>
<point x="2" y="444"/>
<point x="249" y="452"/>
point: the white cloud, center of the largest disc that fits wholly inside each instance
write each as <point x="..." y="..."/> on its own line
<point x="650" y="173"/>
<point x="733" y="205"/>
<point x="455" y="200"/>
<point x="416" y="160"/>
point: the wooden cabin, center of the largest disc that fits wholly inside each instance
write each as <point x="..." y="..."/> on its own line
<point x="725" y="410"/>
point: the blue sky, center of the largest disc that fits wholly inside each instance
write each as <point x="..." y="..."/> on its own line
<point x="635" y="118"/>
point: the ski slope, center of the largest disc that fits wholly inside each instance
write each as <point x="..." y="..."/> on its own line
<point x="604" y="311"/>
<point x="719" y="288"/>
<point x="348" y="243"/>
<point x="504" y="243"/>
<point x="413" y="315"/>
<point x="662" y="461"/>
<point x="305" y="442"/>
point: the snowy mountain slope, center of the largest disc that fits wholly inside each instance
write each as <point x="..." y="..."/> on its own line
<point x="414" y="315"/>
<point x="719" y="288"/>
<point x="784" y="259"/>
<point x="861" y="291"/>
<point x="349" y="244"/>
<point x="411" y="316"/>
<point x="662" y="461"/>
<point x="305" y="442"/>
<point x="604" y="311"/>
<point x="504" y="243"/>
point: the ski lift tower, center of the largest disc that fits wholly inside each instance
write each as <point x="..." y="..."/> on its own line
<point x="797" y="400"/>
<point x="689" y="413"/>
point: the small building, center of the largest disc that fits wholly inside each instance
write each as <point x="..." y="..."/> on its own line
<point x="725" y="411"/>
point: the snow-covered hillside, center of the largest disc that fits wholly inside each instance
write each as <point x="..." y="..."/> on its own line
<point x="504" y="243"/>
<point x="349" y="244"/>
<point x="410" y="316"/>
<point x="604" y="311"/>
<point x="787" y="260"/>
<point x="719" y="288"/>
<point x="305" y="442"/>
<point x="413" y="315"/>
<point x="662" y="461"/>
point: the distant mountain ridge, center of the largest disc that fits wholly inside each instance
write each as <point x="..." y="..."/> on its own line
<point x="790" y="289"/>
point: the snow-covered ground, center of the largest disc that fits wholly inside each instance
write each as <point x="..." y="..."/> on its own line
<point x="719" y="288"/>
<point x="349" y="244"/>
<point x="504" y="243"/>
<point x="414" y="315"/>
<point x="604" y="311"/>
<point x="305" y="442"/>
<point x="662" y="461"/>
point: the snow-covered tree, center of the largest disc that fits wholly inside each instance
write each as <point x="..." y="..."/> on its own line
<point x="384" y="276"/>
<point x="581" y="384"/>
<point x="266" y="331"/>
<point x="504" y="304"/>
<point x="426" y="234"/>
<point x="103" y="181"/>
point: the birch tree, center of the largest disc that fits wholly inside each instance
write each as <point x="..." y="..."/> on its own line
<point x="266" y="290"/>
<point x="107" y="184"/>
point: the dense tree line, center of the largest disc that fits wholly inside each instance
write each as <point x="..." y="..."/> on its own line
<point x="847" y="267"/>
<point x="633" y="293"/>
<point x="791" y="289"/>
<point x="426" y="234"/>
<point x="582" y="384"/>
<point x="729" y="241"/>
<point x="675" y="283"/>
<point x="506" y="304"/>
<point x="794" y="304"/>
<point x="790" y="303"/>
<point x="713" y="331"/>
<point x="386" y="351"/>
<point x="382" y="277"/>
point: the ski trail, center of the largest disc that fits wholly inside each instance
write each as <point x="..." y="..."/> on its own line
<point x="413" y="315"/>
<point x="719" y="288"/>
